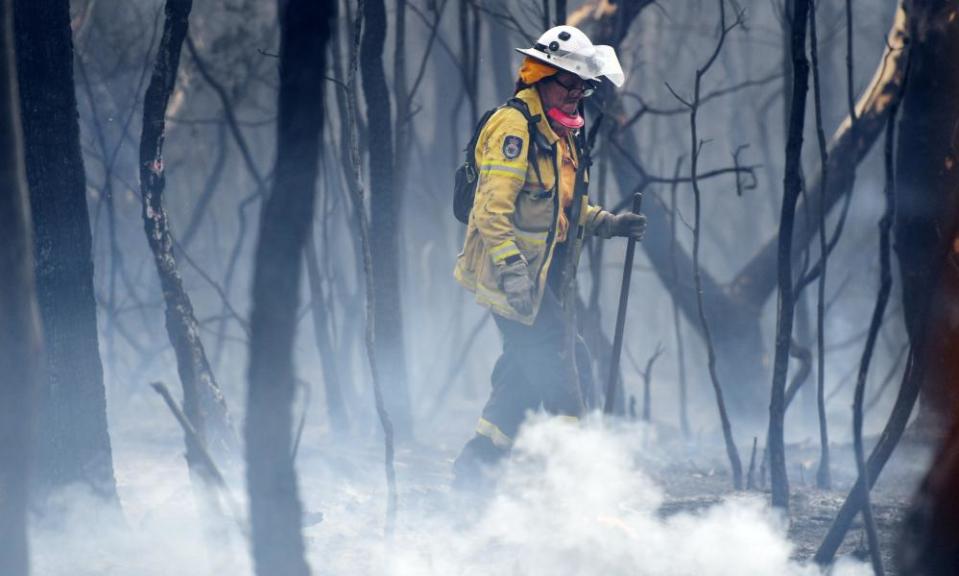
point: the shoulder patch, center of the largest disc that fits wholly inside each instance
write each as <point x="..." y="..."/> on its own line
<point x="512" y="146"/>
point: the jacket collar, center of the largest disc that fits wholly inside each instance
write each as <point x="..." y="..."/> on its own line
<point x="531" y="97"/>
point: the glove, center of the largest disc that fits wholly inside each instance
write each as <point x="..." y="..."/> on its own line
<point x="514" y="279"/>
<point x="627" y="224"/>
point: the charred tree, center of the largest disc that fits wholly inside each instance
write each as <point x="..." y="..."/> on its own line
<point x="19" y="320"/>
<point x="275" y="510"/>
<point x="792" y="186"/>
<point x="384" y="217"/>
<point x="925" y="261"/>
<point x="929" y="545"/>
<point x="823" y="475"/>
<point x="926" y="192"/>
<point x="363" y="224"/>
<point x="696" y="144"/>
<point x="73" y="443"/>
<point x="882" y="299"/>
<point x="203" y="402"/>
<point x="926" y="197"/>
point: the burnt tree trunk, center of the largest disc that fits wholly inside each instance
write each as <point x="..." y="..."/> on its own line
<point x="275" y="510"/>
<point x="19" y="320"/>
<point x="878" y="312"/>
<point x="792" y="186"/>
<point x="203" y="402"/>
<point x="927" y="197"/>
<point x="927" y="192"/>
<point x="74" y="444"/>
<point x="930" y="537"/>
<point x="823" y="475"/>
<point x="384" y="218"/>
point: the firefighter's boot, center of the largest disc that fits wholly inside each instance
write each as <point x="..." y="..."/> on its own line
<point x="473" y="470"/>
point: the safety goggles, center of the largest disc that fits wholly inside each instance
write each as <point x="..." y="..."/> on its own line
<point x="586" y="88"/>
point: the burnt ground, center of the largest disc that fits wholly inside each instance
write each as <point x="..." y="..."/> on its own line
<point x="340" y="483"/>
<point x="695" y="485"/>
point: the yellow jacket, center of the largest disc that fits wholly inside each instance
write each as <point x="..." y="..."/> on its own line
<point x="513" y="212"/>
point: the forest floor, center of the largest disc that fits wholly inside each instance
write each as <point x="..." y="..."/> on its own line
<point x="692" y="483"/>
<point x="343" y="491"/>
<point x="691" y="487"/>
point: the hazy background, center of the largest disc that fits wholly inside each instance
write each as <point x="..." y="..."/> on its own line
<point x="237" y="40"/>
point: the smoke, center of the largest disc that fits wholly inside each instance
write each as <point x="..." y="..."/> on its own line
<point x="572" y="499"/>
<point x="575" y="499"/>
<point x="161" y="530"/>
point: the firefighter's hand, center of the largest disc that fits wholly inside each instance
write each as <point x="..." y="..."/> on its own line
<point x="627" y="225"/>
<point x="518" y="288"/>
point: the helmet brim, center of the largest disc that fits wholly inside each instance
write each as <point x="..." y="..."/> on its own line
<point x="603" y="63"/>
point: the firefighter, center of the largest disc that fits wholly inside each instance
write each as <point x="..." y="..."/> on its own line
<point x="519" y="231"/>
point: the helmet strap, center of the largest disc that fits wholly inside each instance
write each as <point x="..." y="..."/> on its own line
<point x="568" y="121"/>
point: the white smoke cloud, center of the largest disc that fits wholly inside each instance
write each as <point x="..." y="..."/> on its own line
<point x="572" y="500"/>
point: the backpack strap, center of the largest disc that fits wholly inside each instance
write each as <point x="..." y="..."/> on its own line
<point x="537" y="140"/>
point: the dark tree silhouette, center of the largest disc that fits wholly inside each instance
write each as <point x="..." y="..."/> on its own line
<point x="275" y="510"/>
<point x="366" y="257"/>
<point x="792" y="186"/>
<point x="203" y="401"/>
<point x="19" y="319"/>
<point x="74" y="445"/>
<point x="823" y="475"/>
<point x="928" y="177"/>
<point x="384" y="218"/>
<point x="696" y="144"/>
<point x="882" y="299"/>
<point x="930" y="536"/>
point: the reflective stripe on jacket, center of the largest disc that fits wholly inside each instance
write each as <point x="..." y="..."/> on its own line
<point x="514" y="213"/>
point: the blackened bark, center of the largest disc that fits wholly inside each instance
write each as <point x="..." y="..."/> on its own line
<point x="19" y="319"/>
<point x="275" y="510"/>
<point x="792" y="186"/>
<point x="926" y="198"/>
<point x="74" y="444"/>
<point x="363" y="224"/>
<point x="891" y="434"/>
<point x="882" y="298"/>
<point x="823" y="475"/>
<point x="203" y="402"/>
<point x="929" y="542"/>
<point x="878" y="312"/>
<point x="384" y="217"/>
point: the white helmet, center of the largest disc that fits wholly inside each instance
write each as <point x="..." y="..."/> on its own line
<point x="567" y="48"/>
